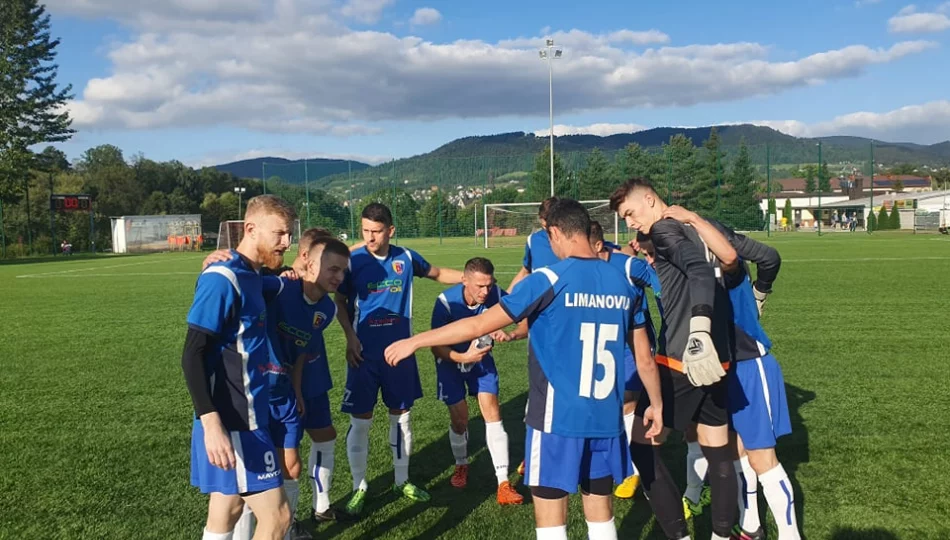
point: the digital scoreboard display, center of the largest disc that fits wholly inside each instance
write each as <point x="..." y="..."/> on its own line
<point x="70" y="203"/>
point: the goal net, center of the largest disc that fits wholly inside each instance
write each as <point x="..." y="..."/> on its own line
<point x="230" y="233"/>
<point x="509" y="224"/>
<point x="143" y="234"/>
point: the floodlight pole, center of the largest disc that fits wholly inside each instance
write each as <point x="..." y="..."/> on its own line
<point x="239" y="191"/>
<point x="550" y="53"/>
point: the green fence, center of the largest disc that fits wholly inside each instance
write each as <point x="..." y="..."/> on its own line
<point x="748" y="187"/>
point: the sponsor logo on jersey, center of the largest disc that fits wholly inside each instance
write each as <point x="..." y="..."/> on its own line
<point x="378" y="322"/>
<point x="268" y="476"/>
<point x="386" y="285"/>
<point x="272" y="368"/>
<point x="300" y="337"/>
<point x="398" y="266"/>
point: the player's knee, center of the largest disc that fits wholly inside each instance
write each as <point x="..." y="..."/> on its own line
<point x="274" y="520"/>
<point x="597" y="486"/>
<point x="763" y="461"/>
<point x="459" y="425"/>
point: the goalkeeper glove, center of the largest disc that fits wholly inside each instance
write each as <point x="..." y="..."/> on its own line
<point x="759" y="299"/>
<point x="700" y="360"/>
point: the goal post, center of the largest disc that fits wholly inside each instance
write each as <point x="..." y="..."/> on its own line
<point x="509" y="224"/>
<point x="231" y="232"/>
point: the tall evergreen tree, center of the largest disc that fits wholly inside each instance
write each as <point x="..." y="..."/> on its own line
<point x="810" y="172"/>
<point x="31" y="103"/>
<point x="824" y="179"/>
<point x="740" y="206"/>
<point x="597" y="178"/>
<point x="539" y="186"/>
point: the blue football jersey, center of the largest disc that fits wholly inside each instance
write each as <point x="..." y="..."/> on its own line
<point x="380" y="294"/>
<point x="538" y="252"/>
<point x="749" y="331"/>
<point x="229" y="305"/>
<point x="637" y="272"/>
<point x="295" y="328"/>
<point x="450" y="306"/>
<point x="579" y="313"/>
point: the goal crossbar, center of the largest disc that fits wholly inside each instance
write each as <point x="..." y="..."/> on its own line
<point x="611" y="229"/>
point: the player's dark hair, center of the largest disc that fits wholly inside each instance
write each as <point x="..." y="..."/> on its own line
<point x="480" y="265"/>
<point x="330" y="245"/>
<point x="596" y="232"/>
<point x="631" y="184"/>
<point x="545" y="207"/>
<point x="307" y="237"/>
<point x="379" y="213"/>
<point x="570" y="217"/>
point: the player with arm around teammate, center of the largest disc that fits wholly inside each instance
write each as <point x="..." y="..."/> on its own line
<point x="470" y="366"/>
<point x="579" y="314"/>
<point x="232" y="456"/>
<point x="757" y="403"/>
<point x="537" y="248"/>
<point x="693" y="353"/>
<point x="378" y="290"/>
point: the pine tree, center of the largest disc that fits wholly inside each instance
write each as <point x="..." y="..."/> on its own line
<point x="539" y="187"/>
<point x="872" y="222"/>
<point x="883" y="221"/>
<point x="824" y="179"/>
<point x="810" y="172"/>
<point x="597" y="179"/>
<point x="740" y="207"/>
<point x="30" y="101"/>
<point x="895" y="218"/>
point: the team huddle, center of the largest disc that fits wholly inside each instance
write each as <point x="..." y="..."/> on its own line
<point x="604" y="389"/>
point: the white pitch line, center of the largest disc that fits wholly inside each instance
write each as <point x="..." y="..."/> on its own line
<point x="61" y="272"/>
<point x="74" y="276"/>
<point x="869" y="259"/>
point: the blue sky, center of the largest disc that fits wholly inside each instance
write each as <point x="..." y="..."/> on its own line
<point x="208" y="81"/>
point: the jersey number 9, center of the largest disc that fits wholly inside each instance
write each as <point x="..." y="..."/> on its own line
<point x="599" y="335"/>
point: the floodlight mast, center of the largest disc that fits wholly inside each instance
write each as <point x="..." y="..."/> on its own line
<point x="551" y="53"/>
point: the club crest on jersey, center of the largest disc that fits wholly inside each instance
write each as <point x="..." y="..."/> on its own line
<point x="318" y="319"/>
<point x="398" y="266"/>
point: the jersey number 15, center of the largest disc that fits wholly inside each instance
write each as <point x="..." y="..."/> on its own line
<point x="594" y="340"/>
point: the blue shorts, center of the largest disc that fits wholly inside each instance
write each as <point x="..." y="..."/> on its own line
<point x="284" y="425"/>
<point x="316" y="412"/>
<point x="632" y="381"/>
<point x="481" y="377"/>
<point x="758" y="407"/>
<point x="564" y="462"/>
<point x="257" y="467"/>
<point x="400" y="385"/>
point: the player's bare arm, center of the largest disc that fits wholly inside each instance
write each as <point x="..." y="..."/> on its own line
<point x="457" y="332"/>
<point x="718" y="244"/>
<point x="471" y="356"/>
<point x="445" y="276"/>
<point x="639" y="342"/>
<point x="354" y="350"/>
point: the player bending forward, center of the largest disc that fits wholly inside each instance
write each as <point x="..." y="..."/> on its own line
<point x="470" y="364"/>
<point x="757" y="403"/>
<point x="579" y="313"/>
<point x="225" y="353"/>
<point x="378" y="288"/>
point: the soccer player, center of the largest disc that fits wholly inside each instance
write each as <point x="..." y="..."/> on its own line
<point x="537" y="249"/>
<point x="470" y="366"/>
<point x="232" y="456"/>
<point x="378" y="289"/>
<point x="757" y="402"/>
<point x="693" y="353"/>
<point x="640" y="275"/>
<point x="579" y="314"/>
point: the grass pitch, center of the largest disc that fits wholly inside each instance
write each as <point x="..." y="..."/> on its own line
<point x="95" y="417"/>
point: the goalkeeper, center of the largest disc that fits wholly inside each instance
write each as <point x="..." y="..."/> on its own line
<point x="693" y="354"/>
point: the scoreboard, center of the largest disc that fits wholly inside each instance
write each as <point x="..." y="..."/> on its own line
<point x="70" y="203"/>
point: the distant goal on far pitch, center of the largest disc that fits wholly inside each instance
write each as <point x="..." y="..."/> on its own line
<point x="509" y="224"/>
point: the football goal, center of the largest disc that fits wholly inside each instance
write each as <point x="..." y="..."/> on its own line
<point x="509" y="224"/>
<point x="230" y="233"/>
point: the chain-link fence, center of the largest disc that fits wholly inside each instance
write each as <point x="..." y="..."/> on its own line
<point x="755" y="187"/>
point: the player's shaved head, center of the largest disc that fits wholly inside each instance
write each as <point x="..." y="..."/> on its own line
<point x="323" y="244"/>
<point x="638" y="204"/>
<point x="570" y="217"/>
<point x="307" y="237"/>
<point x="480" y="265"/>
<point x="596" y="232"/>
<point x="635" y="184"/>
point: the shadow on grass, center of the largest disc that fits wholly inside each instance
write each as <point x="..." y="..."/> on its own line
<point x="792" y="451"/>
<point x="848" y="533"/>
<point x="431" y="462"/>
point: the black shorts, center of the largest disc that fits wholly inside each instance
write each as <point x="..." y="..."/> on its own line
<point x="684" y="403"/>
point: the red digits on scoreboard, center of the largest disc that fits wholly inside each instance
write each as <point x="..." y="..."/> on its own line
<point x="72" y="203"/>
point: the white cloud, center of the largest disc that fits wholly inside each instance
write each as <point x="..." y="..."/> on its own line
<point x="602" y="130"/>
<point x="365" y="11"/>
<point x="927" y="122"/>
<point x="293" y="66"/>
<point x="219" y="158"/>
<point x="424" y="16"/>
<point x="909" y="21"/>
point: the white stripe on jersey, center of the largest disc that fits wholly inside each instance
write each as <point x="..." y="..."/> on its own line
<point x="239" y="470"/>
<point x="765" y="388"/>
<point x="552" y="277"/>
<point x="549" y="409"/>
<point x="627" y="269"/>
<point x="409" y="284"/>
<point x="246" y="378"/>
<point x="445" y="302"/>
<point x="227" y="273"/>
